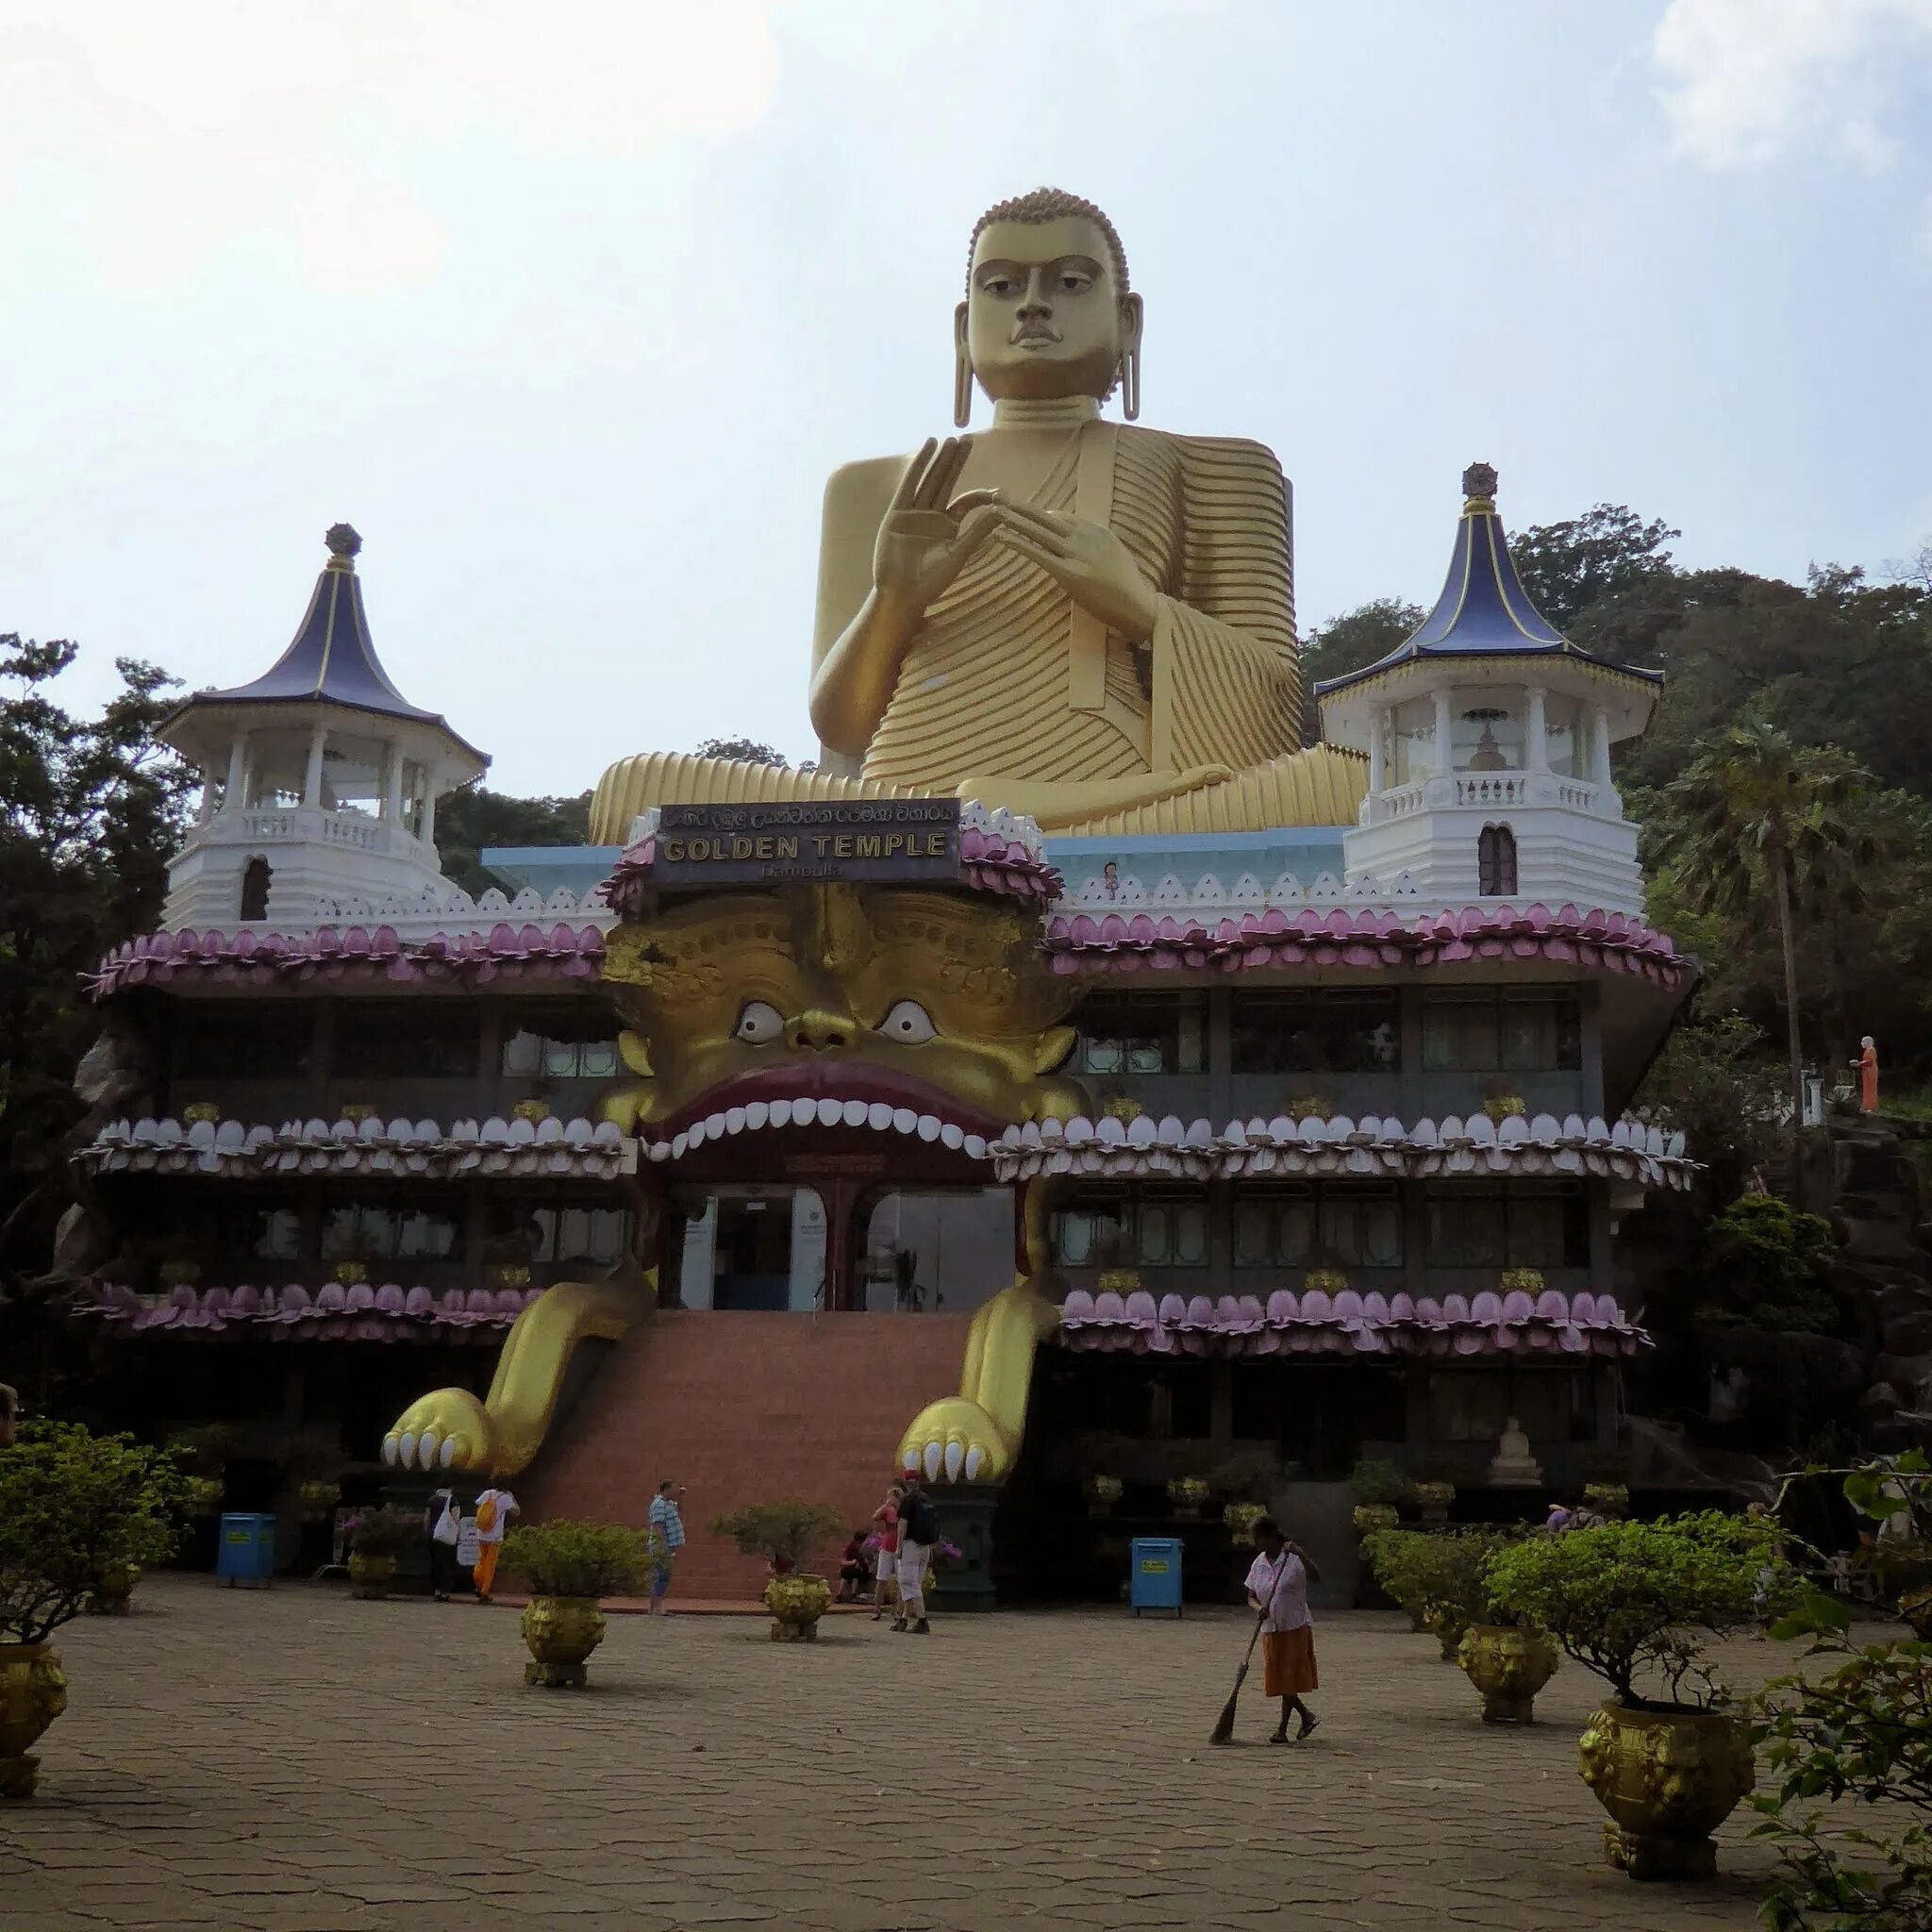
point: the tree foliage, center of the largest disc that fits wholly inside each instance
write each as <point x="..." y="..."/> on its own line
<point x="73" y="1505"/>
<point x="568" y="1559"/>
<point x="1766" y="1261"/>
<point x="1349" y="643"/>
<point x="90" y="811"/>
<point x="1608" y="552"/>
<point x="1712" y="1083"/>
<point x="475" y="818"/>
<point x="742" y="751"/>
<point x="1859" y="1730"/>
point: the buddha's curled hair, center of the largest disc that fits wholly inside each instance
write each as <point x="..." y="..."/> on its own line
<point x="1051" y="205"/>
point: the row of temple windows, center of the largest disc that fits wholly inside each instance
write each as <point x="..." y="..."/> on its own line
<point x="376" y="1039"/>
<point x="530" y="1224"/>
<point x="1473" y="1029"/>
<point x="1338" y="1224"/>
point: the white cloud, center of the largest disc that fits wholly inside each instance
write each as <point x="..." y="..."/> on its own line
<point x="1747" y="81"/>
<point x="205" y="123"/>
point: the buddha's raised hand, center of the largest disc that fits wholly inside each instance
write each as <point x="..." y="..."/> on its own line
<point x="928" y="534"/>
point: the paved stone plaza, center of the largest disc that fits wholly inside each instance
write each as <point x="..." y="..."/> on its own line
<point x="294" y="1762"/>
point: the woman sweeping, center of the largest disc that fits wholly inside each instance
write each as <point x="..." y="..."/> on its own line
<point x="1278" y="1594"/>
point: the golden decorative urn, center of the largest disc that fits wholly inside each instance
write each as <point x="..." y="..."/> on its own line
<point x="796" y="1603"/>
<point x="1370" y="1517"/>
<point x="113" y="1588"/>
<point x="1446" y="1622"/>
<point x="370" y="1576"/>
<point x="1508" y="1667"/>
<point x="33" y="1692"/>
<point x="561" y="1632"/>
<point x="1187" y="1494"/>
<point x="1667" y="1779"/>
<point x="1102" y="1492"/>
<point x="1241" y="1518"/>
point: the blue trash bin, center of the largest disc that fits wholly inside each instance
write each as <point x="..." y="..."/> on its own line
<point x="248" y="1552"/>
<point x="1156" y="1583"/>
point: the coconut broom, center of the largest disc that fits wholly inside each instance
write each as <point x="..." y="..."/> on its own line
<point x="1224" y="1729"/>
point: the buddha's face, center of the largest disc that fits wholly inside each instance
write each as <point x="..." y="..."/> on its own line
<point x="1044" y="314"/>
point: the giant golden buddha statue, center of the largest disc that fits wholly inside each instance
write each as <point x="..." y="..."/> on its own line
<point x="1083" y="621"/>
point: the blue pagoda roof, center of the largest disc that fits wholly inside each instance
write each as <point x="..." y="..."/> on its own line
<point x="1483" y="611"/>
<point x="332" y="656"/>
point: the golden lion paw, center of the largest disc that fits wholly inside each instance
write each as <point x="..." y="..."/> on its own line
<point x="449" y="1429"/>
<point x="957" y="1441"/>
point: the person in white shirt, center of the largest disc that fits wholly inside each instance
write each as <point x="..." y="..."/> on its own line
<point x="1278" y="1594"/>
<point x="495" y="1507"/>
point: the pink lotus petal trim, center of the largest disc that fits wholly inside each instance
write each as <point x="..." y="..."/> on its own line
<point x="334" y="1312"/>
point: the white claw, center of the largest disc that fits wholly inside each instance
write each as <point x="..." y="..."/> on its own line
<point x="449" y="1451"/>
<point x="389" y="1447"/>
<point x="426" y="1447"/>
<point x="975" y="1455"/>
<point x="955" y="1454"/>
<point x="406" y="1448"/>
<point x="932" y="1463"/>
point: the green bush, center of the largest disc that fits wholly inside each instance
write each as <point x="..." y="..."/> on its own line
<point x="1440" y="1575"/>
<point x="1632" y="1601"/>
<point x="781" y="1532"/>
<point x="1766" y="1263"/>
<point x="567" y="1558"/>
<point x="73" y="1505"/>
<point x="384" y="1532"/>
<point x="1374" y="1481"/>
<point x="1861" y="1730"/>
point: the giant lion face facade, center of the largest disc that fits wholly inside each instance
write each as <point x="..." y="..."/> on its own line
<point x="929" y="1005"/>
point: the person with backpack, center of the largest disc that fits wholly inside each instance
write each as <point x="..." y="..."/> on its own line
<point x="919" y="1529"/>
<point x="495" y="1507"/>
<point x="443" y="1522"/>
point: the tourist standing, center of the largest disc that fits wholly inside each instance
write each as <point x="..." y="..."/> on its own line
<point x="667" y="1519"/>
<point x="1278" y="1594"/>
<point x="495" y="1507"/>
<point x="919" y="1529"/>
<point x="443" y="1522"/>
<point x="1867" y="1064"/>
<point x="885" y="1528"/>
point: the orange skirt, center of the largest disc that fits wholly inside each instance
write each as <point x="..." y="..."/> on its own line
<point x="1287" y="1662"/>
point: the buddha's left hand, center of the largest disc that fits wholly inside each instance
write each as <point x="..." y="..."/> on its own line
<point x="1092" y="564"/>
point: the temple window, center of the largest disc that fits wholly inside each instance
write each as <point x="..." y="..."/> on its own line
<point x="1495" y="862"/>
<point x="1502" y="1029"/>
<point x="413" y="1039"/>
<point x="1566" y="737"/>
<point x="750" y="1247"/>
<point x="1487" y="731"/>
<point x="1317" y="1225"/>
<point x="258" y="1231"/>
<point x="1472" y="1404"/>
<point x="1530" y="1225"/>
<point x="1316" y="1033"/>
<point x="544" y="1225"/>
<point x="1130" y="1035"/>
<point x="256" y="875"/>
<point x="560" y="1044"/>
<point x="1131" y="1227"/>
<point x="423" y="1225"/>
<point x="241" y="1040"/>
<point x="941" y="1250"/>
<point x="1412" y="739"/>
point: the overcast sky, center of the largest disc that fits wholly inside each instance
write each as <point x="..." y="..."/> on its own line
<point x="571" y="308"/>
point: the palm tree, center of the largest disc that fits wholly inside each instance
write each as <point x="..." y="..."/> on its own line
<point x="1754" y="813"/>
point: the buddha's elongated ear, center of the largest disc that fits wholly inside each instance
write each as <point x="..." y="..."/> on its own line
<point x="962" y="371"/>
<point x="1133" y="319"/>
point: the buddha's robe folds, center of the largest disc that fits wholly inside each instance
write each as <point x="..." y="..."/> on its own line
<point x="1011" y="694"/>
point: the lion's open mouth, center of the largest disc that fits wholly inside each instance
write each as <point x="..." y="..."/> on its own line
<point x="800" y="1097"/>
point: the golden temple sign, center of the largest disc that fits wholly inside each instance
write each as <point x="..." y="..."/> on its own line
<point x="899" y="840"/>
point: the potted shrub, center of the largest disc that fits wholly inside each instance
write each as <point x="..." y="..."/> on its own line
<point x="376" y="1538"/>
<point x="318" y="1500"/>
<point x="1633" y="1603"/>
<point x="781" y="1533"/>
<point x="1433" y="1500"/>
<point x="570" y="1567"/>
<point x="1102" y="1492"/>
<point x="1187" y="1494"/>
<point x="1395" y="1559"/>
<point x="1611" y="1501"/>
<point x="113" y="1590"/>
<point x="1380" y="1491"/>
<point x="72" y="1506"/>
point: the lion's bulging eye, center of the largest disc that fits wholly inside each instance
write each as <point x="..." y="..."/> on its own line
<point x="758" y="1023"/>
<point x="909" y="1022"/>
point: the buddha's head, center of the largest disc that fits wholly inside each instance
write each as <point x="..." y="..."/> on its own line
<point x="1048" y="312"/>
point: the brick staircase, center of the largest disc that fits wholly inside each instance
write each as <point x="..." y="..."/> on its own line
<point x="745" y="1408"/>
